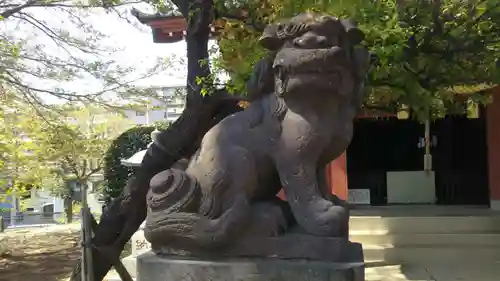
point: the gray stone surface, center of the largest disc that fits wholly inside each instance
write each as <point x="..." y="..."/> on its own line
<point x="139" y="245"/>
<point x="289" y="246"/>
<point x="130" y="263"/>
<point x="162" y="268"/>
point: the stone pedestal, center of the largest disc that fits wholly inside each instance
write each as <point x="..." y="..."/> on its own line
<point x="152" y="267"/>
<point x="139" y="246"/>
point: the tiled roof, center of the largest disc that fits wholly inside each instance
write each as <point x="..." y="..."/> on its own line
<point x="166" y="28"/>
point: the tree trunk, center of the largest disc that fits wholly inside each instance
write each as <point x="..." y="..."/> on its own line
<point x="125" y="214"/>
<point x="68" y="209"/>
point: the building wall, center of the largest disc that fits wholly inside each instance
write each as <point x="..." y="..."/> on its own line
<point x="167" y="109"/>
<point x="493" y="142"/>
<point x="40" y="198"/>
<point x="32" y="210"/>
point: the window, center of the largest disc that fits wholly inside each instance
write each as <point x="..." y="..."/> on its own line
<point x="179" y="92"/>
<point x="167" y="92"/>
<point x="174" y="92"/>
<point x="139" y="113"/>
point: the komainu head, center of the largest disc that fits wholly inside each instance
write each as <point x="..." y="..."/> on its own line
<point x="314" y="53"/>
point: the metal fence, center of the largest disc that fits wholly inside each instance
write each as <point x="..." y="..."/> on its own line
<point x="36" y="218"/>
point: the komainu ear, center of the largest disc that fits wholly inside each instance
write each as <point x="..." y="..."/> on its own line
<point x="262" y="80"/>
<point x="354" y="34"/>
<point x="362" y="59"/>
<point x="270" y="38"/>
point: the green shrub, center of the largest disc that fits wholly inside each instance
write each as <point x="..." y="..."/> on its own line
<point x="126" y="145"/>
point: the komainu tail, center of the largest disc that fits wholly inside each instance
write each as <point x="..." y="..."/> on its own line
<point x="173" y="221"/>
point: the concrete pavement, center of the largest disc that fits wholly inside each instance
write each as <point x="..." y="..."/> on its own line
<point x="438" y="272"/>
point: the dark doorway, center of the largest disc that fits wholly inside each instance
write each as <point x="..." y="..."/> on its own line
<point x="378" y="146"/>
<point x="459" y="157"/>
<point x="460" y="161"/>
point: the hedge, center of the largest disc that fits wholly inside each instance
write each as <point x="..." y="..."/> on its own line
<point x="126" y="145"/>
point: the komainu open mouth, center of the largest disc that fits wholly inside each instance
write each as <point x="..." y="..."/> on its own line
<point x="308" y="82"/>
<point x="294" y="61"/>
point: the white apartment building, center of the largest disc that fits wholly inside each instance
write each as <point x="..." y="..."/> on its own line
<point x="168" y="108"/>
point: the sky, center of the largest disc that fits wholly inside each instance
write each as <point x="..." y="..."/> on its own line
<point x="134" y="40"/>
<point x="138" y="46"/>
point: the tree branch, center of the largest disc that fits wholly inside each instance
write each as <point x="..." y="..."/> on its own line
<point x="91" y="97"/>
<point x="71" y="165"/>
<point x="15" y="8"/>
<point x="56" y="38"/>
<point x="92" y="172"/>
<point x="10" y="12"/>
<point x="247" y="20"/>
<point x="84" y="167"/>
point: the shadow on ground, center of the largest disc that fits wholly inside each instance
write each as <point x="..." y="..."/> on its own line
<point x="40" y="258"/>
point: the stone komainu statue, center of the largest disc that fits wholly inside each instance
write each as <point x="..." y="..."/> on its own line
<point x="304" y="98"/>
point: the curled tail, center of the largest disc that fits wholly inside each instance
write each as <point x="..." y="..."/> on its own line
<point x="173" y="191"/>
<point x="173" y="220"/>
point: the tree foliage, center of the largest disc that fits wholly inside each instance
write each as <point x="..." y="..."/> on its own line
<point x="432" y="51"/>
<point x="123" y="147"/>
<point x="21" y="154"/>
<point x="43" y="150"/>
<point x="39" y="150"/>
<point x="46" y="45"/>
<point x="75" y="147"/>
<point x="428" y="52"/>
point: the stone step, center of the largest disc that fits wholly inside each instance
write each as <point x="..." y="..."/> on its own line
<point x="113" y="276"/>
<point x="436" y="272"/>
<point x="130" y="263"/>
<point x="425" y="239"/>
<point x="427" y="224"/>
<point x="391" y="254"/>
<point x="397" y="273"/>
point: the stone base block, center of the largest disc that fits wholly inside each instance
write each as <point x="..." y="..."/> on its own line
<point x="151" y="267"/>
<point x="495" y="205"/>
<point x="290" y="246"/>
<point x="130" y="263"/>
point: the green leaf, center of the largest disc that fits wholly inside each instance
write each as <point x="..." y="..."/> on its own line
<point x="419" y="59"/>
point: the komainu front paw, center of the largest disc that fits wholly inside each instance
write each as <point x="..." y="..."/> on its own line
<point x="323" y="218"/>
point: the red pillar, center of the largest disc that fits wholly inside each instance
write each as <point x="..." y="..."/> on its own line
<point x="493" y="141"/>
<point x="336" y="176"/>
